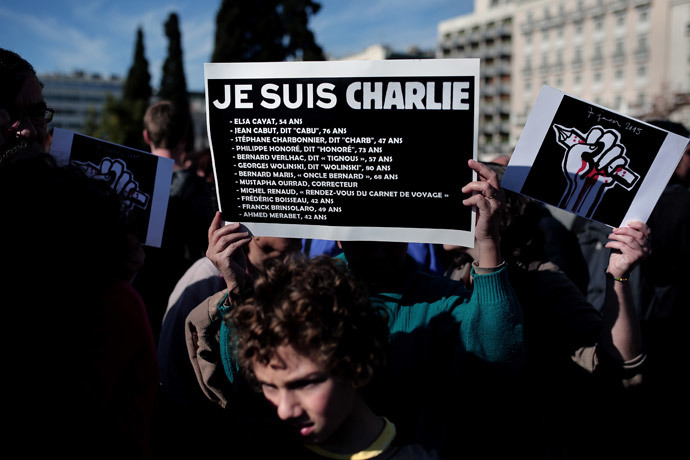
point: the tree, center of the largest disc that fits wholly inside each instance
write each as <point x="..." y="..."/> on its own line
<point x="122" y="120"/>
<point x="265" y="30"/>
<point x="138" y="83"/>
<point x="173" y="82"/>
<point x="90" y="126"/>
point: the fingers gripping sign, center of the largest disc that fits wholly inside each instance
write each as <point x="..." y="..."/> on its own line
<point x="629" y="246"/>
<point x="488" y="199"/>
<point x="226" y="249"/>
<point x="592" y="164"/>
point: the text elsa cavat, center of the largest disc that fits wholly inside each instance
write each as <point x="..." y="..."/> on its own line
<point x="376" y="95"/>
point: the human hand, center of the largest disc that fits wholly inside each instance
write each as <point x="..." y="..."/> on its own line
<point x="488" y="198"/>
<point x="592" y="162"/>
<point x="629" y="246"/>
<point x="226" y="249"/>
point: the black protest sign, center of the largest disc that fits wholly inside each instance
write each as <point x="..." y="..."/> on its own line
<point x="345" y="150"/>
<point x="592" y="161"/>
<point x="141" y="180"/>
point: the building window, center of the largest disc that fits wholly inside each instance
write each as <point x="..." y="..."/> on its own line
<point x="597" y="77"/>
<point x="641" y="71"/>
<point x="577" y="79"/>
<point x="578" y="28"/>
<point x="643" y="16"/>
<point x="597" y="51"/>
<point x="598" y="24"/>
<point x="620" y="19"/>
<point x="619" y="48"/>
<point x="618" y="102"/>
<point x="619" y="75"/>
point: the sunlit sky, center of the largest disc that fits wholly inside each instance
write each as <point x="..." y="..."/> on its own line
<point x="97" y="36"/>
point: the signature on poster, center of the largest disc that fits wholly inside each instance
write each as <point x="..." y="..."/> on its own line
<point x="114" y="171"/>
<point x="593" y="164"/>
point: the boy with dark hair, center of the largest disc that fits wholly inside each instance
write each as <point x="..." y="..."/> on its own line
<point x="446" y="341"/>
<point x="309" y="337"/>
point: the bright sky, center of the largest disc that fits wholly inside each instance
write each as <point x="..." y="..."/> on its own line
<point x="98" y="35"/>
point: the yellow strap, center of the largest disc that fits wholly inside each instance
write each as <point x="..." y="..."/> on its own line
<point x="380" y="444"/>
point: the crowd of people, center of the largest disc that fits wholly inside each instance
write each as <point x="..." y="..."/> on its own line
<point x="543" y="340"/>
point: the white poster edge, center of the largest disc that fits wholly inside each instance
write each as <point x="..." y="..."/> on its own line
<point x="346" y="233"/>
<point x="531" y="138"/>
<point x="159" y="204"/>
<point x="549" y="100"/>
<point x="333" y="69"/>
<point x="208" y="134"/>
<point x="61" y="150"/>
<point x="641" y="208"/>
<point x="61" y="146"/>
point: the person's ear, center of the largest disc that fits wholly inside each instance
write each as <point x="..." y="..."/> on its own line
<point x="147" y="139"/>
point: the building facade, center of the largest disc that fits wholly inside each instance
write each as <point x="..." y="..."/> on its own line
<point x="628" y="55"/>
<point x="487" y="34"/>
<point x="78" y="96"/>
<point x="632" y="56"/>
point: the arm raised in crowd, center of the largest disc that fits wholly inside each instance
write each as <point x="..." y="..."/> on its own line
<point x="226" y="249"/>
<point x="621" y="337"/>
<point x="491" y="325"/>
<point x="488" y="197"/>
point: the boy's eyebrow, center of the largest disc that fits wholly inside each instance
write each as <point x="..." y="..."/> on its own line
<point x="298" y="381"/>
<point x="306" y="379"/>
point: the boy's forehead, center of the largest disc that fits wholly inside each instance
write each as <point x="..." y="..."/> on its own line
<point x="288" y="364"/>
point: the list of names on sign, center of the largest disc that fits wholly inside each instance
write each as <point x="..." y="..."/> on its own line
<point x="331" y="155"/>
<point x="290" y="171"/>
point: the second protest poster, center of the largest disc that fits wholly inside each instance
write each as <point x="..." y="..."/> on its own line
<point x="345" y="150"/>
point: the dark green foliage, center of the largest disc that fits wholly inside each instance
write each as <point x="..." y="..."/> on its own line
<point x="173" y="83"/>
<point x="265" y="30"/>
<point x="122" y="120"/>
<point x="138" y="83"/>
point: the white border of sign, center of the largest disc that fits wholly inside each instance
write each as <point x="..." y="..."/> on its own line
<point x="537" y="128"/>
<point x="390" y="68"/>
<point x="61" y="150"/>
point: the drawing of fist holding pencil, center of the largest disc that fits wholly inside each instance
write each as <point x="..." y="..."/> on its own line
<point x="592" y="164"/>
